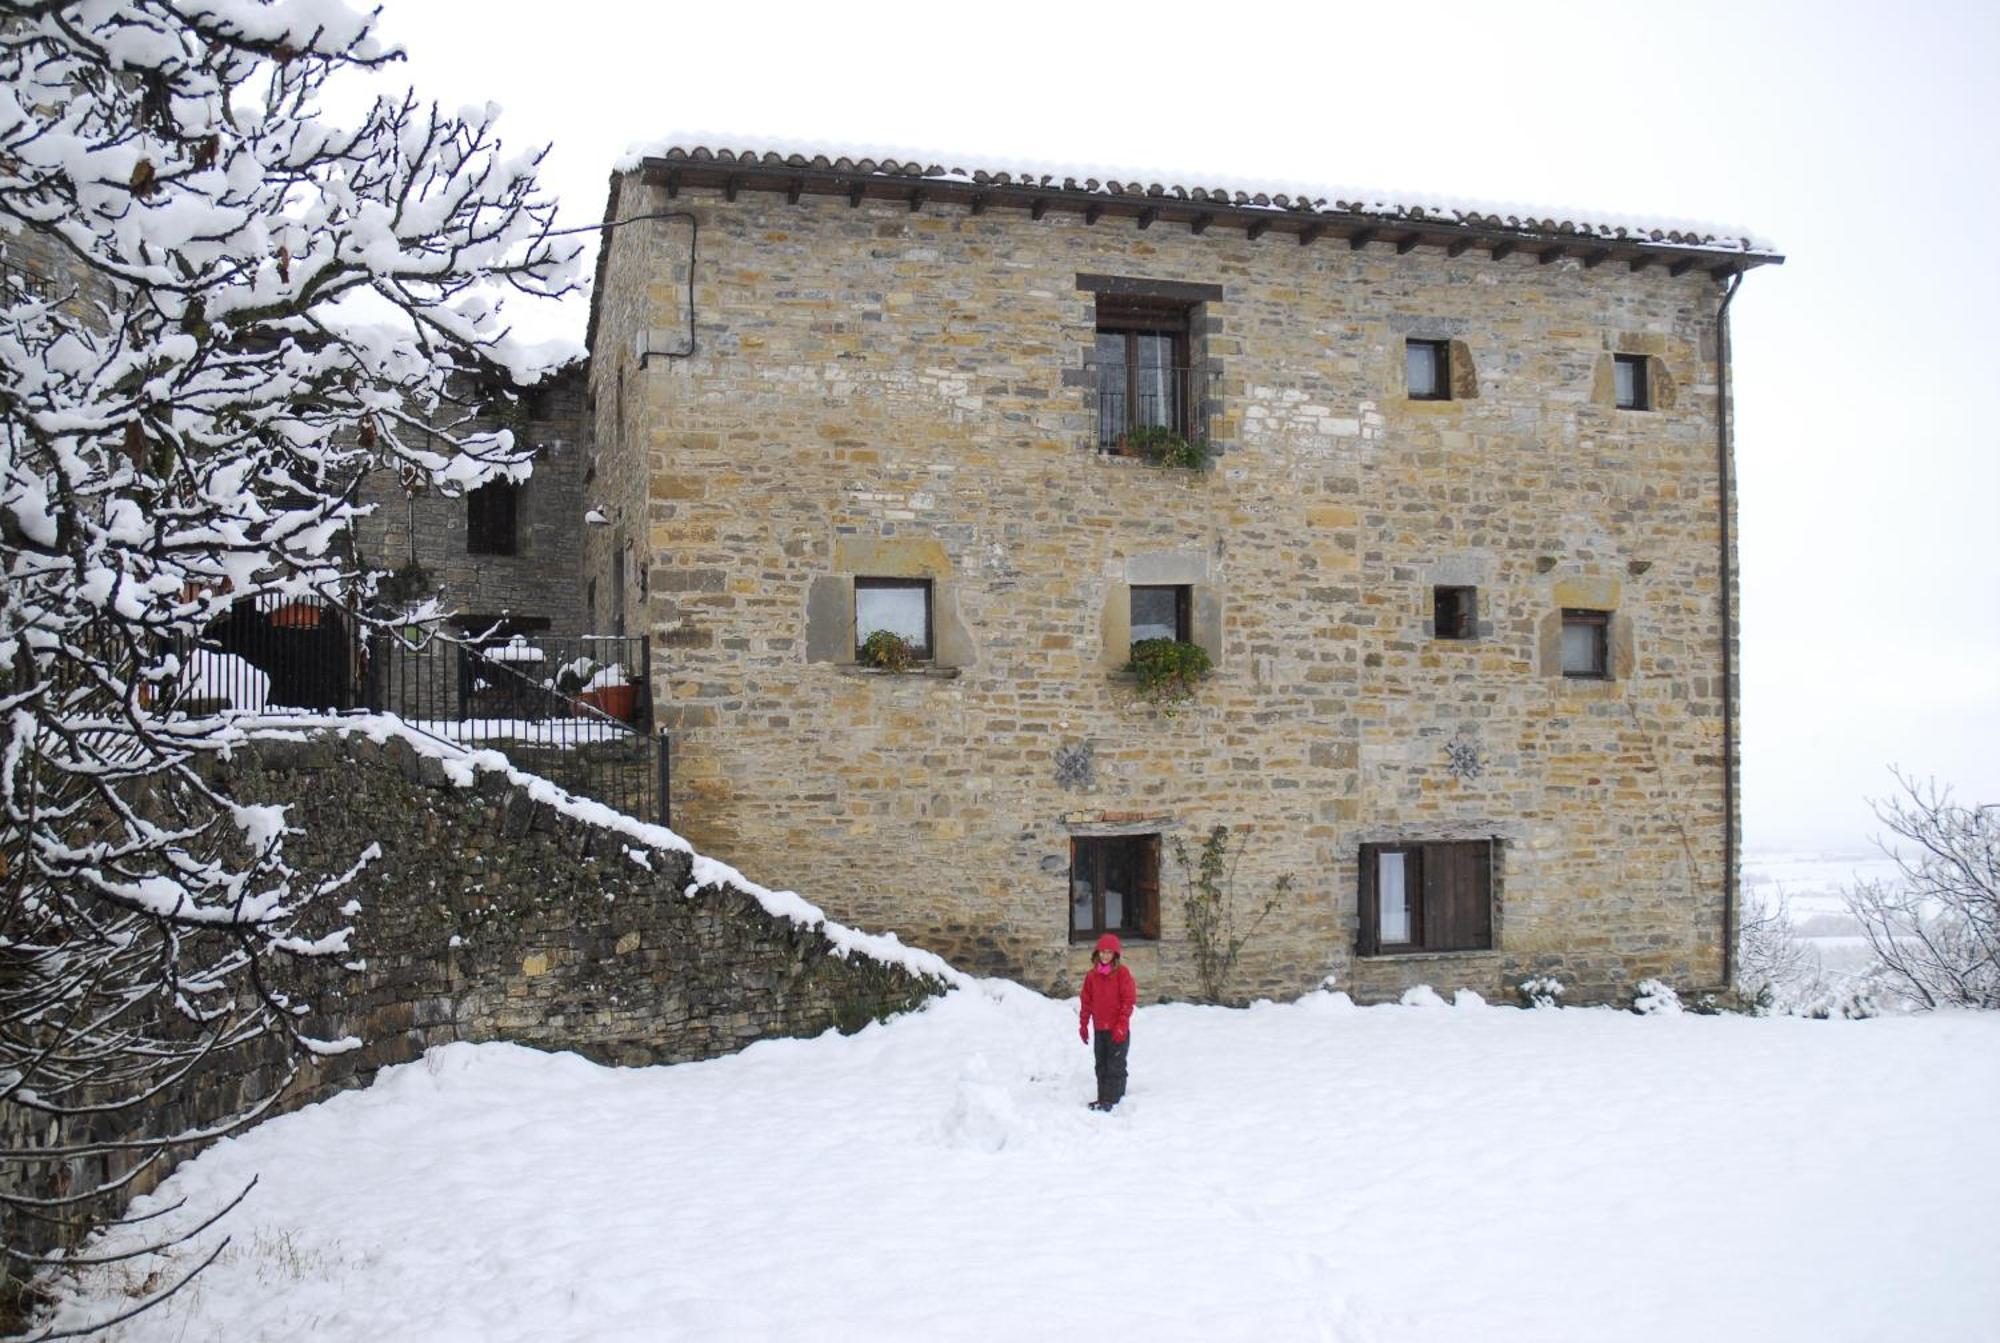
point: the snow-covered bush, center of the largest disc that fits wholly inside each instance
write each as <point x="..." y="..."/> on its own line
<point x="1655" y="998"/>
<point x="1775" y="967"/>
<point x="1540" y="991"/>
<point x="1935" y="931"/>
<point x="248" y="309"/>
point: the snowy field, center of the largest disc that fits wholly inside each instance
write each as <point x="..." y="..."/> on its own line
<point x="1309" y="1171"/>
<point x="1812" y="886"/>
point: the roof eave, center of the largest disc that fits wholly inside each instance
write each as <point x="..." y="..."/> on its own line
<point x="1357" y="228"/>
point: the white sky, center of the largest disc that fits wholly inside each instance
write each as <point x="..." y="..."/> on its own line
<point x="1858" y="137"/>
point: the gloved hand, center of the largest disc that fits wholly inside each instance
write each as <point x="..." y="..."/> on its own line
<point x="1118" y="1034"/>
<point x="1083" y="1031"/>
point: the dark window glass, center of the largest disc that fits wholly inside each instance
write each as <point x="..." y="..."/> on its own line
<point x="1629" y="373"/>
<point x="1159" y="613"/>
<point x="1114" y="886"/>
<point x="1455" y="612"/>
<point x="1586" y="644"/>
<point x="901" y="606"/>
<point x="1429" y="364"/>
<point x="489" y="518"/>
<point x="1427" y="897"/>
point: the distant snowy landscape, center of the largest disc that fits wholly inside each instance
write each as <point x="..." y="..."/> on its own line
<point x="1313" y="1170"/>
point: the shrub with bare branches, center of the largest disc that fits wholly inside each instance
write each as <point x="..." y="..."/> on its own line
<point x="1935" y="931"/>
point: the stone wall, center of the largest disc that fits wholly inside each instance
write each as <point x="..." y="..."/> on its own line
<point x="880" y="376"/>
<point x="490" y="916"/>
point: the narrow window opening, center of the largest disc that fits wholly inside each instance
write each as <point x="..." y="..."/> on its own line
<point x="1586" y="644"/>
<point x="490" y="514"/>
<point x="1455" y="612"/>
<point x="1428" y="363"/>
<point x="1629" y="375"/>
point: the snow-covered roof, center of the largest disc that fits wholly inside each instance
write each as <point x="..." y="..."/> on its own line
<point x="691" y="151"/>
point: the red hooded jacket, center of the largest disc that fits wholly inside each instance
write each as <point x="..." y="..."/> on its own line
<point x="1108" y="1000"/>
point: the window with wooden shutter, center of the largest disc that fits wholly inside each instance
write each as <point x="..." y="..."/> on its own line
<point x="1426" y="897"/>
<point x="1114" y="886"/>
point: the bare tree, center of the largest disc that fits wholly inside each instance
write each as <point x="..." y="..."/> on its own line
<point x="240" y="309"/>
<point x="1935" y="931"/>
<point x="1776" y="970"/>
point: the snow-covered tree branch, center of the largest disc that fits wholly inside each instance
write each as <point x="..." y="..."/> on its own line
<point x="1936" y="931"/>
<point x="245" y="310"/>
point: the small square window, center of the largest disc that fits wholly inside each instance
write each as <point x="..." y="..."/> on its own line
<point x="1114" y="886"/>
<point x="901" y="606"/>
<point x="1455" y="612"/>
<point x="1629" y="376"/>
<point x="1429" y="365"/>
<point x="1160" y="613"/>
<point x="1586" y="644"/>
<point x="489" y="518"/>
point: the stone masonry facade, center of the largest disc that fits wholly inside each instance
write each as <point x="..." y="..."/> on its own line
<point x="893" y="386"/>
<point x="540" y="581"/>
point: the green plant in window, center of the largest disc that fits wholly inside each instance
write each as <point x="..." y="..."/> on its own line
<point x="888" y="652"/>
<point x="1168" y="670"/>
<point x="1163" y="447"/>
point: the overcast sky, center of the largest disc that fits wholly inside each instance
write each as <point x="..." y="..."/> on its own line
<point x="1859" y="138"/>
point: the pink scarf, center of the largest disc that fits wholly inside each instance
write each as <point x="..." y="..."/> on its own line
<point x="1104" y="968"/>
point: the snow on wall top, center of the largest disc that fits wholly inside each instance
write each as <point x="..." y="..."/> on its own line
<point x="1215" y="188"/>
<point x="462" y="766"/>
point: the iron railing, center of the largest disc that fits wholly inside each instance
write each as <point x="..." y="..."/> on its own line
<point x="1131" y="398"/>
<point x="576" y="710"/>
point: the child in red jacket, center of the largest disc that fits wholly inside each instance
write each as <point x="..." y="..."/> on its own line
<point x="1109" y="994"/>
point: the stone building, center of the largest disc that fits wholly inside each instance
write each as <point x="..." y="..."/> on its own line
<point x="507" y="556"/>
<point x="1461" y="557"/>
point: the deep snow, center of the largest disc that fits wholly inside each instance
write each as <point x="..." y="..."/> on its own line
<point x="1306" y="1171"/>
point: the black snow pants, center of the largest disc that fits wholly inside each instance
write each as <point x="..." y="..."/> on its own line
<point x="1110" y="1067"/>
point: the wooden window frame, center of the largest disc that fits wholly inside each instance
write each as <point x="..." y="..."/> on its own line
<point x="1183" y="607"/>
<point x="1442" y="918"/>
<point x="1465" y="600"/>
<point x="1440" y="369"/>
<point x="1135" y="315"/>
<point x="493" y="519"/>
<point x="922" y="652"/>
<point x="1088" y="855"/>
<point x="1642" y="386"/>
<point x="1600" y="623"/>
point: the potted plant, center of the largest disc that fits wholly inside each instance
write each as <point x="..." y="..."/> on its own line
<point x="1168" y="670"/>
<point x="610" y="691"/>
<point x="1164" y="447"/>
<point x="886" y="651"/>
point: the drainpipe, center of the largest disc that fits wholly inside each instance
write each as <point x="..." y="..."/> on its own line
<point x="1729" y="883"/>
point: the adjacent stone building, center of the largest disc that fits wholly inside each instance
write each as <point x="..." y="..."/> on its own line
<point x="1461" y="557"/>
<point x="507" y="557"/>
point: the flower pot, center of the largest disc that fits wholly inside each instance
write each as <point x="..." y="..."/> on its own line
<point x="619" y="701"/>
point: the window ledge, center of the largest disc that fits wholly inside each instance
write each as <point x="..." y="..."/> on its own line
<point x="1428" y="955"/>
<point x="924" y="673"/>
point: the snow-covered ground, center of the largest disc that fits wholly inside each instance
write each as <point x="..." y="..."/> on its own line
<point x="1308" y="1171"/>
